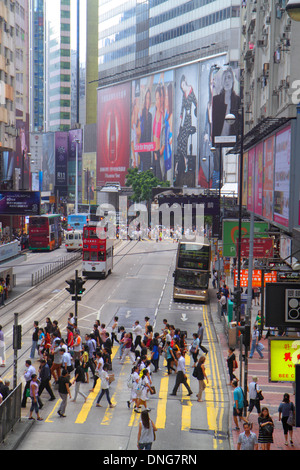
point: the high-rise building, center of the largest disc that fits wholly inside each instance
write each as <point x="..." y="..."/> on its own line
<point x="58" y="65"/>
<point x="139" y="37"/>
<point x="37" y="65"/>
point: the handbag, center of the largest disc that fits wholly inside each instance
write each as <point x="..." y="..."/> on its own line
<point x="111" y="378"/>
<point x="152" y="390"/>
<point x="268" y="429"/>
<point x="291" y="419"/>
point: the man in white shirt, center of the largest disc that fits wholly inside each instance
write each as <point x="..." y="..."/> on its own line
<point x="138" y="331"/>
<point x="30" y="370"/>
<point x="181" y="377"/>
<point x="66" y="361"/>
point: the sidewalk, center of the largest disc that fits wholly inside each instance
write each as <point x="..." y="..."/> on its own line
<point x="272" y="392"/>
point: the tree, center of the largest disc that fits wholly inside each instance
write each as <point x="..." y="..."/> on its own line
<point x="142" y="183"/>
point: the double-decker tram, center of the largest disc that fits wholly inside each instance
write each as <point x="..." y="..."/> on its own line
<point x="98" y="250"/>
<point x="192" y="273"/>
<point x="45" y="232"/>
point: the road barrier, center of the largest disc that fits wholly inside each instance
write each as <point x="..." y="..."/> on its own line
<point x="53" y="268"/>
<point x="10" y="412"/>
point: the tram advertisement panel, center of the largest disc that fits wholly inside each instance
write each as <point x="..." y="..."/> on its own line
<point x="113" y="134"/>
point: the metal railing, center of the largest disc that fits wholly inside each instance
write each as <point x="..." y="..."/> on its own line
<point x="53" y="268"/>
<point x="10" y="412"/>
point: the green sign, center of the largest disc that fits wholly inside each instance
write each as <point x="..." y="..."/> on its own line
<point x="231" y="233"/>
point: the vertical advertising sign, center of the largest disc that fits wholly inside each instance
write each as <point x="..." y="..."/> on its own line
<point x="258" y="179"/>
<point x="113" y="134"/>
<point x="89" y="195"/>
<point x="251" y="162"/>
<point x="268" y="182"/>
<point x="282" y="177"/>
<point x="186" y="125"/>
<point x="152" y="124"/>
<point x="245" y="179"/>
<point x="226" y="100"/>
<point x="61" y="162"/>
<point x="209" y="162"/>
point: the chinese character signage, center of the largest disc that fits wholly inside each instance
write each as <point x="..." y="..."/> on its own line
<point x="284" y="355"/>
<point x="256" y="277"/>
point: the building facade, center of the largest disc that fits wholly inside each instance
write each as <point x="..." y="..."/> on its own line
<point x="58" y="65"/>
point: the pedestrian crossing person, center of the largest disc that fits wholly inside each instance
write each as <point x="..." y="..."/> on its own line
<point x="104" y="387"/>
<point x="181" y="377"/>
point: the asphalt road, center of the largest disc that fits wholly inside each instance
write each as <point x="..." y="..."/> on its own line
<point x="140" y="285"/>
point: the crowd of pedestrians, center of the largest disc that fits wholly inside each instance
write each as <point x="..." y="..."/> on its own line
<point x="88" y="358"/>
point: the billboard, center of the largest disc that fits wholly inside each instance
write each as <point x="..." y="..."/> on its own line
<point x="282" y="177"/>
<point x="186" y="125"/>
<point x="23" y="203"/>
<point x="231" y="233"/>
<point x="61" y="159"/>
<point x="152" y="124"/>
<point x="113" y="134"/>
<point x="258" y="180"/>
<point x="284" y="355"/>
<point x="89" y="162"/>
<point x="268" y="178"/>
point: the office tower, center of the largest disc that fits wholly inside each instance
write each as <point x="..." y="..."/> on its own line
<point x="58" y="65"/>
<point x="37" y="65"/>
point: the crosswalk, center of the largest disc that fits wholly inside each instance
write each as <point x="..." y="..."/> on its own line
<point x="186" y="408"/>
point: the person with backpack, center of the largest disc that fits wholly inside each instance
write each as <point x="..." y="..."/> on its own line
<point x="79" y="379"/>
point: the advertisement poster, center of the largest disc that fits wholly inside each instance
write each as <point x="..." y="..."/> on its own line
<point x="231" y="233"/>
<point x="113" y="145"/>
<point x="258" y="178"/>
<point x="284" y="355"/>
<point x="152" y="124"/>
<point x="89" y="195"/>
<point x="185" y="122"/>
<point x="268" y="175"/>
<point x="20" y="203"/>
<point x="245" y="179"/>
<point x="61" y="161"/>
<point x="282" y="177"/>
<point x="226" y="100"/>
<point x="251" y="163"/>
<point x="209" y="162"/>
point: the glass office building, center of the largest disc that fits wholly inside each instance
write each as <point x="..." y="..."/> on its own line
<point x="37" y="64"/>
<point x="141" y="36"/>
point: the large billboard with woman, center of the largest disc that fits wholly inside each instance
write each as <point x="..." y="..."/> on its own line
<point x="186" y="125"/>
<point x="152" y="124"/>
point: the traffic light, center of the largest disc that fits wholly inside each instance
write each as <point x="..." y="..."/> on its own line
<point x="71" y="289"/>
<point x="236" y="300"/>
<point x="246" y="336"/>
<point x="79" y="287"/>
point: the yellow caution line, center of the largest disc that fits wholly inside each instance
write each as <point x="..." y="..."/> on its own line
<point x="49" y="418"/>
<point x="186" y="414"/>
<point x="86" y="408"/>
<point x="215" y="411"/>
<point x="161" y="417"/>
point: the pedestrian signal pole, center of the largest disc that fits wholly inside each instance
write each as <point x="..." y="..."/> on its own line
<point x="17" y="344"/>
<point x="76" y="290"/>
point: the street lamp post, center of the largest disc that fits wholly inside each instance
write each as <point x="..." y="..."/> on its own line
<point x="293" y="10"/>
<point x="76" y="177"/>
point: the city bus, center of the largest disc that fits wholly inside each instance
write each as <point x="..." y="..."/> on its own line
<point x="45" y="232"/>
<point x="193" y="271"/>
<point x="97" y="252"/>
<point x="77" y="221"/>
<point x="73" y="240"/>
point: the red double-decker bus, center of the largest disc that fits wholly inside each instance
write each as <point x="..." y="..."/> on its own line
<point x="45" y="232"/>
<point x="97" y="252"/>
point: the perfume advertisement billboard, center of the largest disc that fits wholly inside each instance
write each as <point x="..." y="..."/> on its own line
<point x="113" y="134"/>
